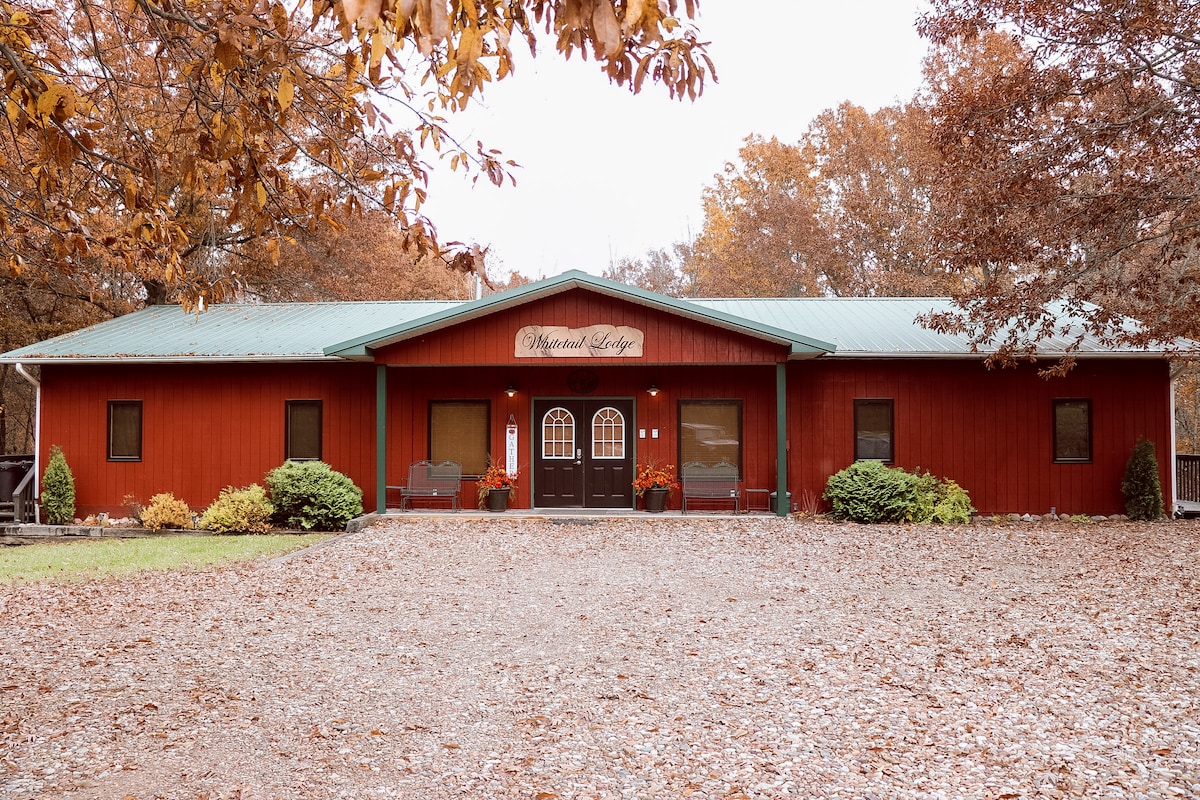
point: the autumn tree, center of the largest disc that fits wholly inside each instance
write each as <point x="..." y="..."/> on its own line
<point x="1186" y="380"/>
<point x="170" y="134"/>
<point x="1068" y="134"/>
<point x="361" y="257"/>
<point x="659" y="271"/>
<point x="844" y="211"/>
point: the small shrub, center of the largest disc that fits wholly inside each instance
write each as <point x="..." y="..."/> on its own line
<point x="1141" y="487"/>
<point x="132" y="507"/>
<point x="953" y="505"/>
<point x="868" y="491"/>
<point x="941" y="500"/>
<point x="58" y="489"/>
<point x="166" y="511"/>
<point x="239" y="511"/>
<point x="310" y="495"/>
<point x="808" y="504"/>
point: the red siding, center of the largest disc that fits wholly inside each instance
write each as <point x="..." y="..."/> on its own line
<point x="204" y="426"/>
<point x="208" y="426"/>
<point x="411" y="389"/>
<point x="991" y="431"/>
<point x="669" y="339"/>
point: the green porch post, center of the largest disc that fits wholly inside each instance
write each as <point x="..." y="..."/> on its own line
<point x="380" y="438"/>
<point x="782" y="507"/>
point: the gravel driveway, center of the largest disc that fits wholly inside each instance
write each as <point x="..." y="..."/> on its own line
<point x="672" y="658"/>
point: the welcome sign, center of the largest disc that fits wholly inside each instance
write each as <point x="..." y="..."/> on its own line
<point x="594" y="341"/>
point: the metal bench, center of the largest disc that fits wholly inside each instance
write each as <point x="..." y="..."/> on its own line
<point x="716" y="482"/>
<point x="442" y="481"/>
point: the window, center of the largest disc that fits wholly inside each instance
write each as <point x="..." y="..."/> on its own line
<point x="608" y="433"/>
<point x="710" y="432"/>
<point x="303" y="431"/>
<point x="459" y="431"/>
<point x="1072" y="430"/>
<point x="124" y="430"/>
<point x="874" y="430"/>
<point x="558" y="433"/>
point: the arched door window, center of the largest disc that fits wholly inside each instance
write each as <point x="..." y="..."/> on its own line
<point x="558" y="433"/>
<point x="608" y="433"/>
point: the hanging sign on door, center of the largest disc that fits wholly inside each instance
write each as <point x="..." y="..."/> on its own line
<point x="510" y="447"/>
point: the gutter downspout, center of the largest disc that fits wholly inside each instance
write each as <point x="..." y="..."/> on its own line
<point x="37" y="438"/>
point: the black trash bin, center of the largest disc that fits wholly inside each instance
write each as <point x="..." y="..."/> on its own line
<point x="11" y="473"/>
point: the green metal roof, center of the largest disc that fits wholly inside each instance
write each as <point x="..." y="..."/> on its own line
<point x="809" y="327"/>
<point x="233" y="332"/>
<point x="886" y="327"/>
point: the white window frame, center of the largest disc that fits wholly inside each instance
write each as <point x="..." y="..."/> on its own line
<point x="615" y="422"/>
<point x="556" y="425"/>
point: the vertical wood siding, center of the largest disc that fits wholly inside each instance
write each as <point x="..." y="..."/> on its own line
<point x="204" y="426"/>
<point x="208" y="426"/>
<point x="669" y="339"/>
<point x="991" y="431"/>
<point x="410" y="390"/>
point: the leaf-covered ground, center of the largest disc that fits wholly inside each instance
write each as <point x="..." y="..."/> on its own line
<point x="676" y="658"/>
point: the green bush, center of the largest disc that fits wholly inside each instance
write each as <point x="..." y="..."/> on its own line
<point x="1141" y="487"/>
<point x="867" y="491"/>
<point x="310" y="495"/>
<point x="239" y="511"/>
<point x="953" y="506"/>
<point x="166" y="511"/>
<point x="58" y="489"/>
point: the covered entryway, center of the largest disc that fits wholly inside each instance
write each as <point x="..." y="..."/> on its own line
<point x="583" y="453"/>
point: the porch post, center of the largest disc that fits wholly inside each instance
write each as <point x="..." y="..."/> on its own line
<point x="782" y="506"/>
<point x="380" y="438"/>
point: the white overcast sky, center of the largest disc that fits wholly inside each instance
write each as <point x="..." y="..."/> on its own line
<point x="605" y="174"/>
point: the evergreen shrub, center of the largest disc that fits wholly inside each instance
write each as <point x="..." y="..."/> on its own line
<point x="239" y="511"/>
<point x="312" y="496"/>
<point x="58" y="489"/>
<point x="166" y="511"/>
<point x="1141" y="487"/>
<point x="868" y="491"/>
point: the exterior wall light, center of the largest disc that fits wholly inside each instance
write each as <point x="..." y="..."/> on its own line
<point x="653" y="390"/>
<point x="511" y="391"/>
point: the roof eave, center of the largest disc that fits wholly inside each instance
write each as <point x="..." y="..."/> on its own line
<point x="177" y="359"/>
<point x="961" y="355"/>
<point x="565" y="282"/>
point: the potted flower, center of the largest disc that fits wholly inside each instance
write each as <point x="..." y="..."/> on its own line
<point x="653" y="483"/>
<point x="494" y="487"/>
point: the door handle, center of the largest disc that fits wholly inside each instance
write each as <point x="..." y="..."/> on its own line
<point x="579" y="456"/>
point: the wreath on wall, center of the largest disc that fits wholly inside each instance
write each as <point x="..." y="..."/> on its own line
<point x="582" y="381"/>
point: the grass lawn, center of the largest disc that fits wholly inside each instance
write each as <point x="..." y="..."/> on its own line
<point x="78" y="561"/>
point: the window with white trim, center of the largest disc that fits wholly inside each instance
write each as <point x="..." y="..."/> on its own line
<point x="558" y="433"/>
<point x="608" y="433"/>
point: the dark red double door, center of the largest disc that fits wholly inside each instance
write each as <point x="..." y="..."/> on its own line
<point x="583" y="453"/>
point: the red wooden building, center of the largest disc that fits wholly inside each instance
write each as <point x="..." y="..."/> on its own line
<point x="578" y="379"/>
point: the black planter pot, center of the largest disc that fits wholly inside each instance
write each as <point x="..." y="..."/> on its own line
<point x="497" y="499"/>
<point x="656" y="500"/>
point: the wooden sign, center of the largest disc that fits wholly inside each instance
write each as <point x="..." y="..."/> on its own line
<point x="510" y="448"/>
<point x="594" y="341"/>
